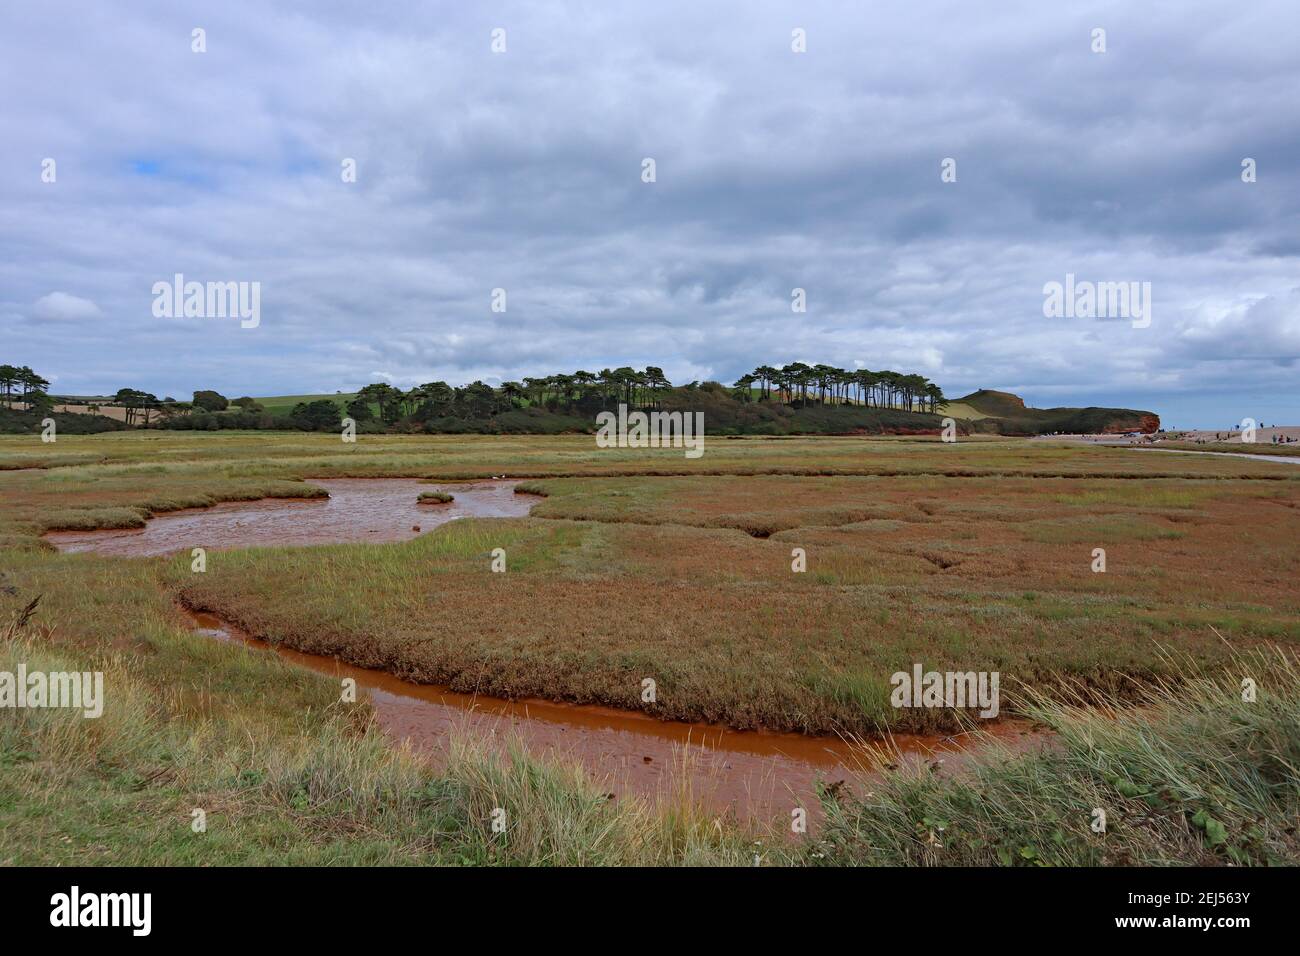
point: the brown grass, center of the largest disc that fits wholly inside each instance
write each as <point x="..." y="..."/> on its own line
<point x="689" y="581"/>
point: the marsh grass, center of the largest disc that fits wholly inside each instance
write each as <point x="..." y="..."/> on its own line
<point x="1192" y="774"/>
<point x="286" y="774"/>
<point x="1093" y="529"/>
<point x="614" y="579"/>
<point x="918" y="551"/>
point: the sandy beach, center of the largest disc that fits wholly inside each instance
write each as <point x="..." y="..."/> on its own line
<point x="1263" y="436"/>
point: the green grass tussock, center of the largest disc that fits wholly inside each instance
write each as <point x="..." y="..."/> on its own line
<point x="1194" y="775"/>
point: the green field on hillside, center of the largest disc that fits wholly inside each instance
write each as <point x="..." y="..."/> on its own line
<point x="283" y="404"/>
<point x="960" y="410"/>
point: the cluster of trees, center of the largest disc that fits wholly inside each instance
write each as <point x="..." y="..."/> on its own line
<point x="799" y="384"/>
<point x="25" y="403"/>
<point x="431" y="401"/>
<point x="140" y="406"/>
<point x="21" y="383"/>
<point x="143" y="407"/>
<point x="318" y="416"/>
<point x="607" y="387"/>
<point x="577" y="392"/>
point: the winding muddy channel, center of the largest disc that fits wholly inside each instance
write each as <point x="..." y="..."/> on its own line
<point x="753" y="773"/>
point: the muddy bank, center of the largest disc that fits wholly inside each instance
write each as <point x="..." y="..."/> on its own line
<point x="357" y="510"/>
<point x="754" y="774"/>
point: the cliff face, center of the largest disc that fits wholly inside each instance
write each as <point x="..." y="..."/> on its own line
<point x="1147" y="423"/>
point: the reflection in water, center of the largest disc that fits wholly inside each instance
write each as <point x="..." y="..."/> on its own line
<point x="357" y="510"/>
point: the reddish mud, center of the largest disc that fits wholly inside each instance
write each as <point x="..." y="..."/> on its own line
<point x="752" y="773"/>
<point x="357" y="510"/>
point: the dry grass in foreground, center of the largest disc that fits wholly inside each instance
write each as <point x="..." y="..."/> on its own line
<point x="1194" y="776"/>
<point x="285" y="774"/>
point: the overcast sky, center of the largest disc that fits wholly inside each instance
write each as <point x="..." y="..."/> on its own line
<point x="774" y="170"/>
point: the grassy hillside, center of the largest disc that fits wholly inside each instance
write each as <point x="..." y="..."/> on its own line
<point x="1008" y="414"/>
<point x="984" y="411"/>
<point x="283" y="404"/>
<point x="723" y="415"/>
<point x="960" y="411"/>
<point x="995" y="404"/>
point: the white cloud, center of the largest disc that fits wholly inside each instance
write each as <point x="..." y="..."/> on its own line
<point x="62" y="307"/>
<point x="1267" y="328"/>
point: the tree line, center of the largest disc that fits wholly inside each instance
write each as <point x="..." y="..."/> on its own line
<point x="573" y="392"/>
<point x="799" y="384"/>
<point x="579" y="394"/>
<point x="796" y="384"/>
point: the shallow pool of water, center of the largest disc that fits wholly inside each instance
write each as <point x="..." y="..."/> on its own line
<point x="357" y="510"/>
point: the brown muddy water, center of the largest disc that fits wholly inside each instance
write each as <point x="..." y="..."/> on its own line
<point x="753" y="773"/>
<point x="357" y="510"/>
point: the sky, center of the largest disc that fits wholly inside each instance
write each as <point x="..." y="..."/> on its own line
<point x="523" y="169"/>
